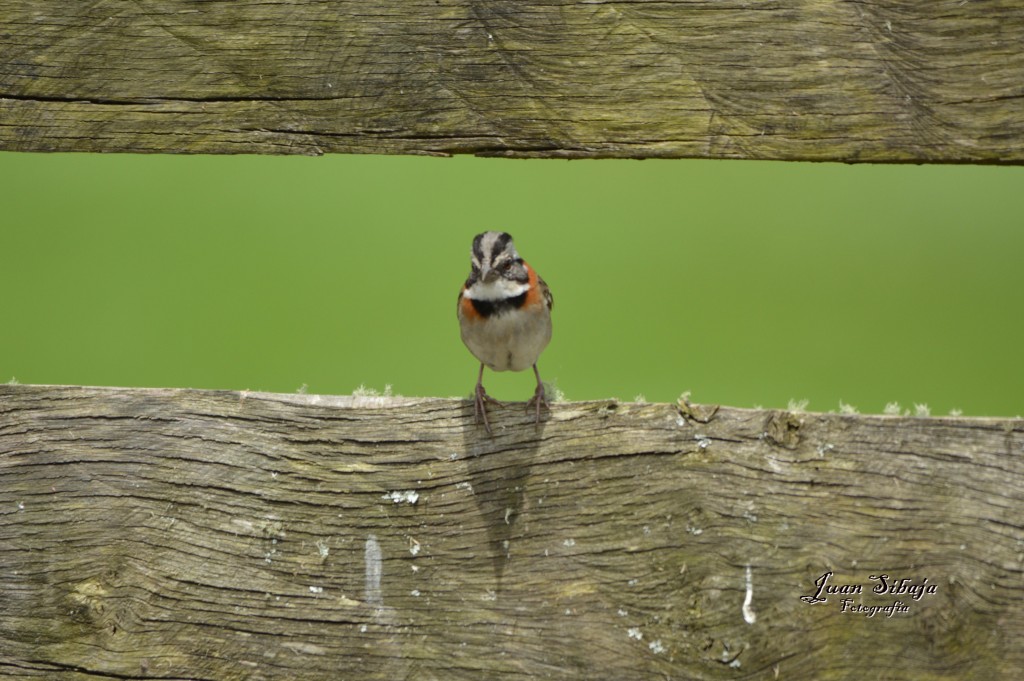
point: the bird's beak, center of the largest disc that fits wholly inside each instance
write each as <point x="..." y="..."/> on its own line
<point x="490" y="276"/>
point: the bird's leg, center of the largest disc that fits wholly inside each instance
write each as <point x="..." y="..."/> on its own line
<point x="481" y="399"/>
<point x="538" y="396"/>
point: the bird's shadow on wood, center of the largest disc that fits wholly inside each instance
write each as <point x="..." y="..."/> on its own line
<point x="498" y="467"/>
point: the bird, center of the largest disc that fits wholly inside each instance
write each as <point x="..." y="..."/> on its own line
<point x="504" y="316"/>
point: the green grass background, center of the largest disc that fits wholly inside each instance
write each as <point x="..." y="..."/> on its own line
<point x="747" y="283"/>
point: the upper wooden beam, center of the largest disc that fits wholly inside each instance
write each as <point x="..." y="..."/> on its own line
<point x="827" y="80"/>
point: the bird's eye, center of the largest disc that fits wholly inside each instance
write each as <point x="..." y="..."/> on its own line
<point x="506" y="266"/>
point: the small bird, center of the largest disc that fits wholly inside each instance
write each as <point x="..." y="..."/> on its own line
<point x="504" y="314"/>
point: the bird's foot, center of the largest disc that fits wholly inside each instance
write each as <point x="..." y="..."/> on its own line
<point x="537" y="400"/>
<point x="480" y="405"/>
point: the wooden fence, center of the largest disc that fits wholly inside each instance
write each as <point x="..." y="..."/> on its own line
<point x="185" y="534"/>
<point x="837" y="80"/>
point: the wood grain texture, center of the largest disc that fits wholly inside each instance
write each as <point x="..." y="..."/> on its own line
<point x="839" y="80"/>
<point x="184" y="534"/>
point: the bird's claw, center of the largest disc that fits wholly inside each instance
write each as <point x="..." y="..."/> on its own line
<point x="538" y="399"/>
<point x="480" y="404"/>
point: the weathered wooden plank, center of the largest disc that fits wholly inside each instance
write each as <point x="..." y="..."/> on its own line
<point x="219" y="535"/>
<point x="844" y="80"/>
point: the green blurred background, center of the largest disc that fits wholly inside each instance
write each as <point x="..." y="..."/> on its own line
<point x="747" y="283"/>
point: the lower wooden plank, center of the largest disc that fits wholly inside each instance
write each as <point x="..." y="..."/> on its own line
<point x="183" y="534"/>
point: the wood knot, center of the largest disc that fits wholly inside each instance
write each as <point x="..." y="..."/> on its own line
<point x="86" y="601"/>
<point x="783" y="429"/>
<point x="98" y="605"/>
<point x="701" y="413"/>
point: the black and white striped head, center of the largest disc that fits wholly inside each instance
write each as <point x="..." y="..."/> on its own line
<point x="498" y="271"/>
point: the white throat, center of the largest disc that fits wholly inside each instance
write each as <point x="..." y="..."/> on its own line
<point x="500" y="289"/>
